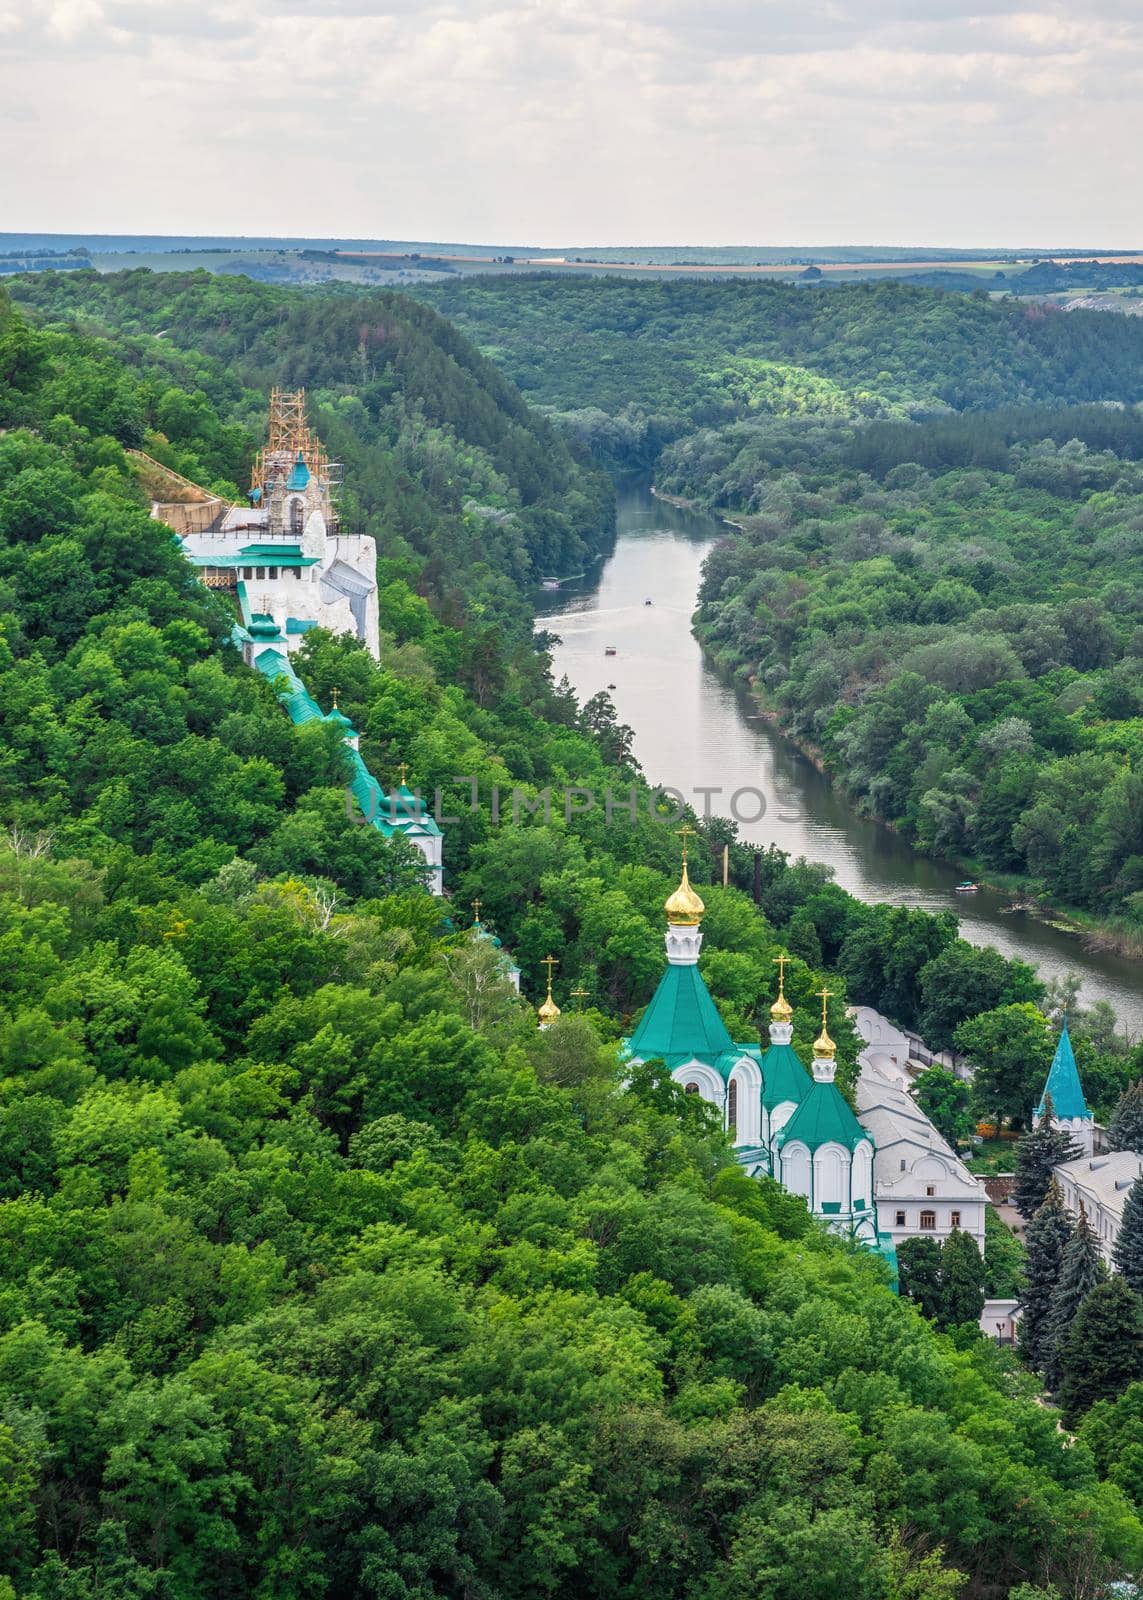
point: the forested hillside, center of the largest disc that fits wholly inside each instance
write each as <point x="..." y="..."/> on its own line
<point x="937" y="584"/>
<point x="953" y="614"/>
<point x="629" y="366"/>
<point x="324" y="1273"/>
<point x="464" y="488"/>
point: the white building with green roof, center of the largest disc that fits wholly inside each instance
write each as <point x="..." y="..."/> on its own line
<point x="682" y="1028"/>
<point x="825" y="1155"/>
<point x="782" y="1122"/>
<point x="1070" y="1109"/>
<point x="284" y="554"/>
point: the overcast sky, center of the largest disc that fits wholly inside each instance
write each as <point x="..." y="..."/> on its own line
<point x="956" y="122"/>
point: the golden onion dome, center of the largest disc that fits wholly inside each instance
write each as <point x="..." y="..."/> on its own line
<point x="549" y="1010"/>
<point x="684" y="908"/>
<point x="824" y="1047"/>
<point x="781" y="1010"/>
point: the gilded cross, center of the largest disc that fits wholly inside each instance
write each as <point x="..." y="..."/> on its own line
<point x="549" y="962"/>
<point x="404" y="770"/>
<point x="779" y="961"/>
<point x="476" y="910"/>
<point x="825" y="994"/>
<point x="579" y="992"/>
<point x="684" y="833"/>
<point x="336" y="692"/>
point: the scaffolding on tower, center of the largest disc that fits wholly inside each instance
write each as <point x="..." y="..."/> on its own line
<point x="290" y="439"/>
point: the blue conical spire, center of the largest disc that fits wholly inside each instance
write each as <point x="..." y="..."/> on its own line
<point x="1064" y="1082"/>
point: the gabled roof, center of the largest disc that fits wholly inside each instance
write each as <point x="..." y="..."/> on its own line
<point x="784" y="1078"/>
<point x="1064" y="1082"/>
<point x="292" y="693"/>
<point x="824" y="1117"/>
<point x="682" y="1022"/>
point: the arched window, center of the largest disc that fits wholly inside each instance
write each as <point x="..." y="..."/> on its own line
<point x="693" y="1088"/>
<point x="929" y="1221"/>
<point x="732" y="1105"/>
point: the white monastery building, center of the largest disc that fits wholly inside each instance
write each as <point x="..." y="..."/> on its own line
<point x="1101" y="1185"/>
<point x="921" y="1185"/>
<point x="289" y="568"/>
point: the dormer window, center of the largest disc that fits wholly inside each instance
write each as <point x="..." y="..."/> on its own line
<point x="930" y="1190"/>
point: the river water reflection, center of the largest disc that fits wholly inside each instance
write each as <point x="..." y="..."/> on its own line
<point x="694" y="730"/>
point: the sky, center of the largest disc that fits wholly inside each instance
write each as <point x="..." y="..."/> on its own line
<point x="558" y="123"/>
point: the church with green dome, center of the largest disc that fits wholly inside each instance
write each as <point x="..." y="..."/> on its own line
<point x="783" y="1121"/>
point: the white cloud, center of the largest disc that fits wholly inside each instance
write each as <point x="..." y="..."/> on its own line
<point x="548" y="121"/>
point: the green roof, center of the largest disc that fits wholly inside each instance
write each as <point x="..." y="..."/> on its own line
<point x="824" y="1117"/>
<point x="682" y="1022"/>
<point x="299" y="474"/>
<point x="292" y="693"/>
<point x="784" y="1078"/>
<point x="1064" y="1082"/>
<point x="282" y="557"/>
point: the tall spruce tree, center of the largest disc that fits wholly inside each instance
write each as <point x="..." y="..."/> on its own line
<point x="1044" y="1244"/>
<point x="1103" y="1352"/>
<point x="919" y="1265"/>
<point x="1081" y="1270"/>
<point x="1036" y="1154"/>
<point x="1125" y="1130"/>
<point x="1128" y="1250"/>
<point x="962" y="1280"/>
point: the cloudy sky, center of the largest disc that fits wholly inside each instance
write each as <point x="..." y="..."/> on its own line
<point x="558" y="122"/>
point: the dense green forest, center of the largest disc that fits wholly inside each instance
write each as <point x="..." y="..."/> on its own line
<point x="951" y="613"/>
<point x="445" y="464"/>
<point x="626" y="367"/>
<point x="935" y="583"/>
<point x="325" y="1274"/>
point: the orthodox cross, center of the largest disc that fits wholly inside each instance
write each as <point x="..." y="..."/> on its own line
<point x="684" y="833"/>
<point x="825" y="994"/>
<point x="779" y="961"/>
<point x="579" y="992"/>
<point x="335" y="695"/>
<point x="404" y="770"/>
<point x="549" y="962"/>
<point x="476" y="910"/>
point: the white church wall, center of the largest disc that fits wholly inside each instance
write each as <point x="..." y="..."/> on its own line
<point x="831" y="1177"/>
<point x="747" y="1078"/>
<point x="710" y="1085"/>
<point x="795" y="1174"/>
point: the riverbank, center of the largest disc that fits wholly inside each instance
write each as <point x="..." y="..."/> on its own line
<point x="1095" y="934"/>
<point x="699" y="730"/>
<point x="681" y="503"/>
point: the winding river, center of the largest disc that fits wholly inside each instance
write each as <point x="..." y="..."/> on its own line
<point x="694" y="730"/>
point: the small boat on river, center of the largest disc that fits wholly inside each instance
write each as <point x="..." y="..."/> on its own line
<point x="967" y="887"/>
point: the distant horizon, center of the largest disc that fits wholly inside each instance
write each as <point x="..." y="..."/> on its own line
<point x="76" y="238"/>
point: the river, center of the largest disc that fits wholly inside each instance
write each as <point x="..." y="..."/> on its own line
<point x="693" y="730"/>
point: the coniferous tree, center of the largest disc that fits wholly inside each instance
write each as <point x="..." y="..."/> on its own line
<point x="1103" y="1352"/>
<point x="962" y="1280"/>
<point x="919" y="1264"/>
<point x="1125" y="1130"/>
<point x="1128" y="1250"/>
<point x="1036" y="1154"/>
<point x="1081" y="1270"/>
<point x="1044" y="1243"/>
